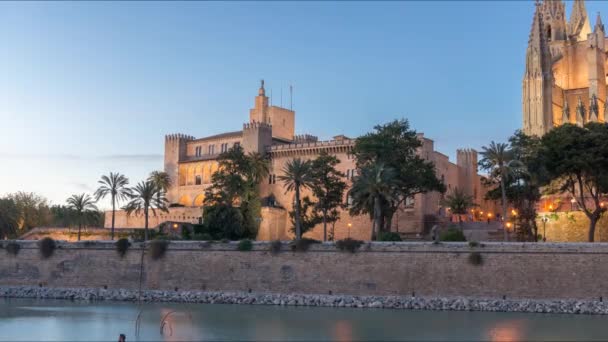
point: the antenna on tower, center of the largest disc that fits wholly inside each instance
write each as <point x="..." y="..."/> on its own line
<point x="290" y="97"/>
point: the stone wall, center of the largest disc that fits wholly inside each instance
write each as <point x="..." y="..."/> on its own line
<point x="551" y="271"/>
<point x="572" y="227"/>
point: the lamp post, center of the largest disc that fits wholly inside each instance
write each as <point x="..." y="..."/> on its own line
<point x="544" y="218"/>
<point x="349" y="225"/>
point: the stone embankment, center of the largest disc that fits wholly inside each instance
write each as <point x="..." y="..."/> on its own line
<point x="342" y="301"/>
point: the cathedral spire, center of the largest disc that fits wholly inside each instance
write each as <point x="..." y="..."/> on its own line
<point x="537" y="47"/>
<point x="593" y="109"/>
<point x="565" y="112"/>
<point x="599" y="26"/>
<point x="580" y="112"/>
<point x="578" y="27"/>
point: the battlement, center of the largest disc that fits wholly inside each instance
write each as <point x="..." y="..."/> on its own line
<point x="305" y="138"/>
<point x="348" y="143"/>
<point x="256" y="124"/>
<point x="178" y="136"/>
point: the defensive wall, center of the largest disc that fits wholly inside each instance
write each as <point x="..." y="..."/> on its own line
<point x="507" y="270"/>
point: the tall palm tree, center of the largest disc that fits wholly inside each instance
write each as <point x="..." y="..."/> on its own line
<point x="496" y="159"/>
<point x="373" y="186"/>
<point x="296" y="176"/>
<point x="83" y="205"/>
<point x="145" y="197"/>
<point x="115" y="185"/>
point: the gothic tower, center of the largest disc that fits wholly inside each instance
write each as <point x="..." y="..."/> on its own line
<point x="538" y="79"/>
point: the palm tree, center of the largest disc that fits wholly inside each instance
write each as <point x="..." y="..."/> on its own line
<point x="114" y="185"/>
<point x="259" y="167"/>
<point x="82" y="204"/>
<point x="496" y="159"/>
<point x="296" y="176"/>
<point x="459" y="203"/>
<point x="371" y="188"/>
<point x="145" y="197"/>
<point x="161" y="180"/>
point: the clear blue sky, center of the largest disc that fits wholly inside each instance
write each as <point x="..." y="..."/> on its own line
<point x="92" y="87"/>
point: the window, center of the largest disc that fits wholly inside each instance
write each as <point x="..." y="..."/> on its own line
<point x="272" y="179"/>
<point x="349" y="201"/>
<point x="236" y="144"/>
<point x="211" y="149"/>
<point x="348" y="174"/>
<point x="198" y="151"/>
<point x="197" y="180"/>
<point x="269" y="179"/>
<point x="224" y="147"/>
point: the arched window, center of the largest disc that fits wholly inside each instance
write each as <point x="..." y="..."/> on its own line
<point x="549" y="32"/>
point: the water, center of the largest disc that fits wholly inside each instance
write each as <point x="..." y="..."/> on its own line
<point x="59" y="320"/>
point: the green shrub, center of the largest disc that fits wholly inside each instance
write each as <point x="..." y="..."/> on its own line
<point x="275" y="247"/>
<point x="158" y="248"/>
<point x="303" y="244"/>
<point x="13" y="248"/>
<point x="186" y="235"/>
<point x="47" y="247"/>
<point x="388" y="236"/>
<point x="348" y="245"/>
<point x="475" y="258"/>
<point x="452" y="234"/>
<point x="244" y="245"/>
<point x="202" y="237"/>
<point x="121" y="246"/>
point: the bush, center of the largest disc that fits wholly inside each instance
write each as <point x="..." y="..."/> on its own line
<point x="388" y="236"/>
<point x="244" y="245"/>
<point x="139" y="235"/>
<point x="348" y="245"/>
<point x="303" y="244"/>
<point x="275" y="247"/>
<point x="122" y="245"/>
<point x="186" y="235"/>
<point x="474" y="244"/>
<point x="158" y="248"/>
<point x="13" y="248"/>
<point x="452" y="234"/>
<point x="202" y="237"/>
<point x="475" y="258"/>
<point x="47" y="247"/>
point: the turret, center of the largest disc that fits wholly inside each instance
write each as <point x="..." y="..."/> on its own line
<point x="466" y="159"/>
<point x="175" y="150"/>
<point x="538" y="81"/>
<point x="554" y="20"/>
<point x="578" y="26"/>
<point x="257" y="136"/>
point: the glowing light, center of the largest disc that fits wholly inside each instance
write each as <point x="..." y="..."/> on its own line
<point x="550" y="206"/>
<point x="350" y="225"/>
<point x="489" y="214"/>
<point x="175" y="225"/>
<point x="514" y="212"/>
<point x="509" y="224"/>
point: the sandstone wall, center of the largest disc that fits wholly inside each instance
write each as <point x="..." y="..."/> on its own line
<point x="572" y="227"/>
<point x="573" y="271"/>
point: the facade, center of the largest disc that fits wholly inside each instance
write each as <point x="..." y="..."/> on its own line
<point x="190" y="162"/>
<point x="565" y="73"/>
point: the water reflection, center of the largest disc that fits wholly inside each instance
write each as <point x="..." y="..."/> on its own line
<point x="27" y="320"/>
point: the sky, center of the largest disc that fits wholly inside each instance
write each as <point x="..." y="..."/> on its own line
<point x="92" y="87"/>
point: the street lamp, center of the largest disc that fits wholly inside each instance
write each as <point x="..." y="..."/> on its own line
<point x="544" y="218"/>
<point x="349" y="225"/>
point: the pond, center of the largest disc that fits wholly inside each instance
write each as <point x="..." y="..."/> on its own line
<point x="60" y="320"/>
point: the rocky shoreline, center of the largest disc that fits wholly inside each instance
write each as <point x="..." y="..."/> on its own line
<point x="347" y="301"/>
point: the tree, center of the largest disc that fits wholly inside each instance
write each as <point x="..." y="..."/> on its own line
<point x="116" y="186"/>
<point x="459" y="203"/>
<point x="496" y="159"/>
<point x="396" y="146"/>
<point x="33" y="210"/>
<point x="296" y="176"/>
<point x="9" y="216"/>
<point x="161" y="180"/>
<point x="576" y="159"/>
<point x="328" y="187"/>
<point x="374" y="186"/>
<point x="144" y="197"/>
<point x="83" y="205"/>
<point x="308" y="216"/>
<point x="236" y="183"/>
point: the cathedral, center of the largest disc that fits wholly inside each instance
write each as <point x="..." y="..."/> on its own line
<point x="565" y="73"/>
